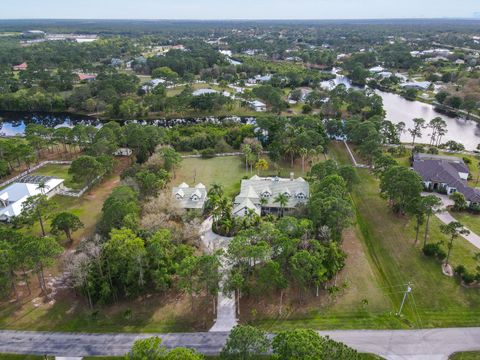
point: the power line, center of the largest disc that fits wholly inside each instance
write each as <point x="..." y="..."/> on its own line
<point x="408" y="290"/>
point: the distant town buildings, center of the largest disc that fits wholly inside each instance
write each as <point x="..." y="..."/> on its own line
<point x="123" y="152"/>
<point x="86" y="77"/>
<point x="258" y="106"/>
<point x="20" y="67"/>
<point x="204" y="92"/>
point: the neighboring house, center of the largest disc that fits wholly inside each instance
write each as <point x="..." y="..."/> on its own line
<point x="418" y="85"/>
<point x="13" y="196"/>
<point x="115" y="62"/>
<point x="152" y="84"/>
<point x="445" y="174"/>
<point x="259" y="79"/>
<point x="20" y="67"/>
<point x="204" y="92"/>
<point x="86" y="77"/>
<point x="190" y="197"/>
<point x="268" y="188"/>
<point x="384" y="74"/>
<point x="123" y="152"/>
<point x="258" y="106"/>
<point x="376" y="69"/>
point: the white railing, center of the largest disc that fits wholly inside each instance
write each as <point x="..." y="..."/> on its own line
<point x="212" y="155"/>
<point x="78" y="193"/>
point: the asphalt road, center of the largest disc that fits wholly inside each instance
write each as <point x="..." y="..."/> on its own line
<point x="391" y="344"/>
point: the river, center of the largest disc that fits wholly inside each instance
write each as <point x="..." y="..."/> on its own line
<point x="13" y="123"/>
<point x="398" y="109"/>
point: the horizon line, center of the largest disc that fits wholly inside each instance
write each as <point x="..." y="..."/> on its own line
<point x="243" y="19"/>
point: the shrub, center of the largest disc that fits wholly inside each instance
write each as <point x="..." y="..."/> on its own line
<point x="460" y="270"/>
<point x="433" y="150"/>
<point x="467" y="160"/>
<point x="475" y="208"/>
<point x="434" y="250"/>
<point x="207" y="153"/>
<point x="418" y="149"/>
<point x="468" y="278"/>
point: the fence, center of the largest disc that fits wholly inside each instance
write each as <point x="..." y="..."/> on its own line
<point x="32" y="169"/>
<point x="212" y="155"/>
<point x="80" y="192"/>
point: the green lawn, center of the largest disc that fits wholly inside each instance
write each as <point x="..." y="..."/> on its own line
<point x="227" y="171"/>
<point x="472" y="355"/>
<point x="471" y="221"/>
<point x="60" y="171"/>
<point x="23" y="357"/>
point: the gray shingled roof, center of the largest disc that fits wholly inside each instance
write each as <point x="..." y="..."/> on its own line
<point x="444" y="169"/>
<point x="257" y="187"/>
<point x="190" y="197"/>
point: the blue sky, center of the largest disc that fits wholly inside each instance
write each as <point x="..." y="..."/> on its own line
<point x="236" y="9"/>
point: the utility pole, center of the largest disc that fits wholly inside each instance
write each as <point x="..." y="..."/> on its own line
<point x="407" y="291"/>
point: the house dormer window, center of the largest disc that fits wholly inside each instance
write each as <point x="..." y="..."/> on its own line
<point x="266" y="194"/>
<point x="195" y="198"/>
<point x="179" y="195"/>
<point x="301" y="196"/>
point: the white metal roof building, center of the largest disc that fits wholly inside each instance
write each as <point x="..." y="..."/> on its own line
<point x="13" y="197"/>
<point x="204" y="92"/>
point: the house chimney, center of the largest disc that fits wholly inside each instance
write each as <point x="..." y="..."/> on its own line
<point x="292" y="176"/>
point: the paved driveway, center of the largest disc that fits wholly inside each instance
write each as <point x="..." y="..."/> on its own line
<point x="226" y="305"/>
<point x="447" y="218"/>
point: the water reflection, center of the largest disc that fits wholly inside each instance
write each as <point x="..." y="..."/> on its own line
<point x="399" y="109"/>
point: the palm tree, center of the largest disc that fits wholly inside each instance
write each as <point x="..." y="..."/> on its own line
<point x="454" y="229"/>
<point x="291" y="149"/>
<point x="303" y="152"/>
<point x="430" y="204"/>
<point x="312" y="154"/>
<point x="281" y="199"/>
<point x="216" y="189"/>
<point x="43" y="187"/>
<point x="321" y="150"/>
<point x="227" y="224"/>
<point x="247" y="150"/>
<point x="225" y="206"/>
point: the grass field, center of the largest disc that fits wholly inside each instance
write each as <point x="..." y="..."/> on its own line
<point x="60" y="171"/>
<point x="472" y="355"/>
<point x="227" y="171"/>
<point x="471" y="221"/>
